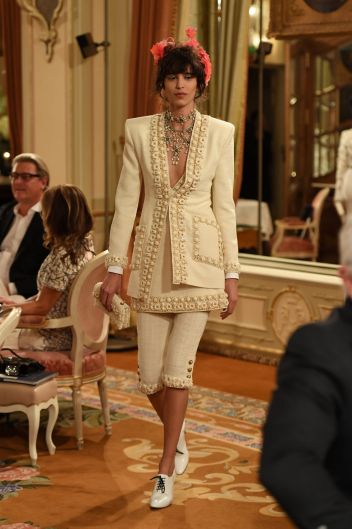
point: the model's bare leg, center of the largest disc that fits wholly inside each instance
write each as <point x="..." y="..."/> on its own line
<point x="157" y="401"/>
<point x="170" y="404"/>
<point x="175" y="406"/>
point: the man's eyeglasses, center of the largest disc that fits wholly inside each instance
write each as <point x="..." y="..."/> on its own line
<point x="25" y="176"/>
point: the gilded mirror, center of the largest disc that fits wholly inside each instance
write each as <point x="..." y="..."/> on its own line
<point x="307" y="93"/>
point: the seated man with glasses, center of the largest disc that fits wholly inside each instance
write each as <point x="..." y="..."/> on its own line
<point x="21" y="227"/>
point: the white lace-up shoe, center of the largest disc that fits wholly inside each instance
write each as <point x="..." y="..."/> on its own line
<point x="182" y="454"/>
<point x="162" y="494"/>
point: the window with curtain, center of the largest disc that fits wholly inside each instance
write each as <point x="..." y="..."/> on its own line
<point x="11" y="63"/>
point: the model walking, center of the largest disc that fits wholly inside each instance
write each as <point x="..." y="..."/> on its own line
<point x="185" y="261"/>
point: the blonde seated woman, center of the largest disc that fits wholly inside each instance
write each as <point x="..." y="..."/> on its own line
<point x="67" y="223"/>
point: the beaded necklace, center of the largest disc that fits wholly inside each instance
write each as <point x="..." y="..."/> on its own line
<point x="178" y="140"/>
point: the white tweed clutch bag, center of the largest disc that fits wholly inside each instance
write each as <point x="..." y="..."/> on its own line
<point x="120" y="314"/>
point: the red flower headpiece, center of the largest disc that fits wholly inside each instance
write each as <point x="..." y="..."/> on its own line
<point x="158" y="50"/>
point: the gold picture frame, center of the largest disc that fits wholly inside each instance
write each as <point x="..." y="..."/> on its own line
<point x="296" y="19"/>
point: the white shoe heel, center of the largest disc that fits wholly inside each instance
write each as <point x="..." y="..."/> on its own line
<point x="182" y="454"/>
<point x="163" y="492"/>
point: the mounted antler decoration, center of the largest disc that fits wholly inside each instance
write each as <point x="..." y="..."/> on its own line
<point x="46" y="12"/>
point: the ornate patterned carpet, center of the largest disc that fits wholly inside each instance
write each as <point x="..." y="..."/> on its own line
<point x="107" y="483"/>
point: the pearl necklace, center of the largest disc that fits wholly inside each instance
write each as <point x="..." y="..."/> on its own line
<point x="178" y="140"/>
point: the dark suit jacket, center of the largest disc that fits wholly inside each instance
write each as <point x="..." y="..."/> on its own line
<point x="31" y="252"/>
<point x="307" y="451"/>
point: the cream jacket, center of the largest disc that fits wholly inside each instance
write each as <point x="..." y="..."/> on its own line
<point x="201" y="211"/>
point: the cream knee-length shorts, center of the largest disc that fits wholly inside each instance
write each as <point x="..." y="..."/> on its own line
<point x="167" y="346"/>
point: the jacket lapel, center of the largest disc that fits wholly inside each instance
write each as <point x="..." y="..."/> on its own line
<point x="196" y="154"/>
<point x="6" y="222"/>
<point x="34" y="230"/>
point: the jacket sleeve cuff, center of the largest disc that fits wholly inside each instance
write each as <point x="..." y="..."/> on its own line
<point x="115" y="269"/>
<point x="232" y="268"/>
<point x="113" y="260"/>
<point x="232" y="275"/>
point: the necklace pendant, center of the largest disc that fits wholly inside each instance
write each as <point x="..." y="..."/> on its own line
<point x="180" y="119"/>
<point x="177" y="140"/>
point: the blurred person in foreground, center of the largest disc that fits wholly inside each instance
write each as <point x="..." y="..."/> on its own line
<point x="21" y="227"/>
<point x="307" y="450"/>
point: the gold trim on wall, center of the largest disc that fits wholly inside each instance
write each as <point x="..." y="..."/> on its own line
<point x="46" y="12"/>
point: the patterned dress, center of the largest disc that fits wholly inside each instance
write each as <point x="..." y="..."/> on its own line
<point x="57" y="272"/>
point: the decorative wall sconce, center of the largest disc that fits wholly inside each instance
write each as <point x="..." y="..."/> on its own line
<point x="87" y="45"/>
<point x="46" y="12"/>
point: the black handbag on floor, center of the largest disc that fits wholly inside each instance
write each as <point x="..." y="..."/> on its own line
<point x="16" y="366"/>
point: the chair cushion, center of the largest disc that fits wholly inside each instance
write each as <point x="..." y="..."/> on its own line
<point x="295" y="244"/>
<point x="12" y="393"/>
<point x="60" y="361"/>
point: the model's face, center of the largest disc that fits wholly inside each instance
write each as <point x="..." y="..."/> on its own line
<point x="180" y="91"/>
<point x="27" y="189"/>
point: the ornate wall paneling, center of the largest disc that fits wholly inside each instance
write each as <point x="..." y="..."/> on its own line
<point x="46" y="84"/>
<point x="274" y="299"/>
<point x="289" y="19"/>
<point x="47" y="13"/>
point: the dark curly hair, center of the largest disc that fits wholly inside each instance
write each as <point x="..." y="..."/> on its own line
<point x="176" y="60"/>
<point x="67" y="219"/>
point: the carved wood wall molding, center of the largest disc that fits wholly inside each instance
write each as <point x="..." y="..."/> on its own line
<point x="289" y="310"/>
<point x="47" y="13"/>
<point x="273" y="301"/>
<point x="296" y="18"/>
